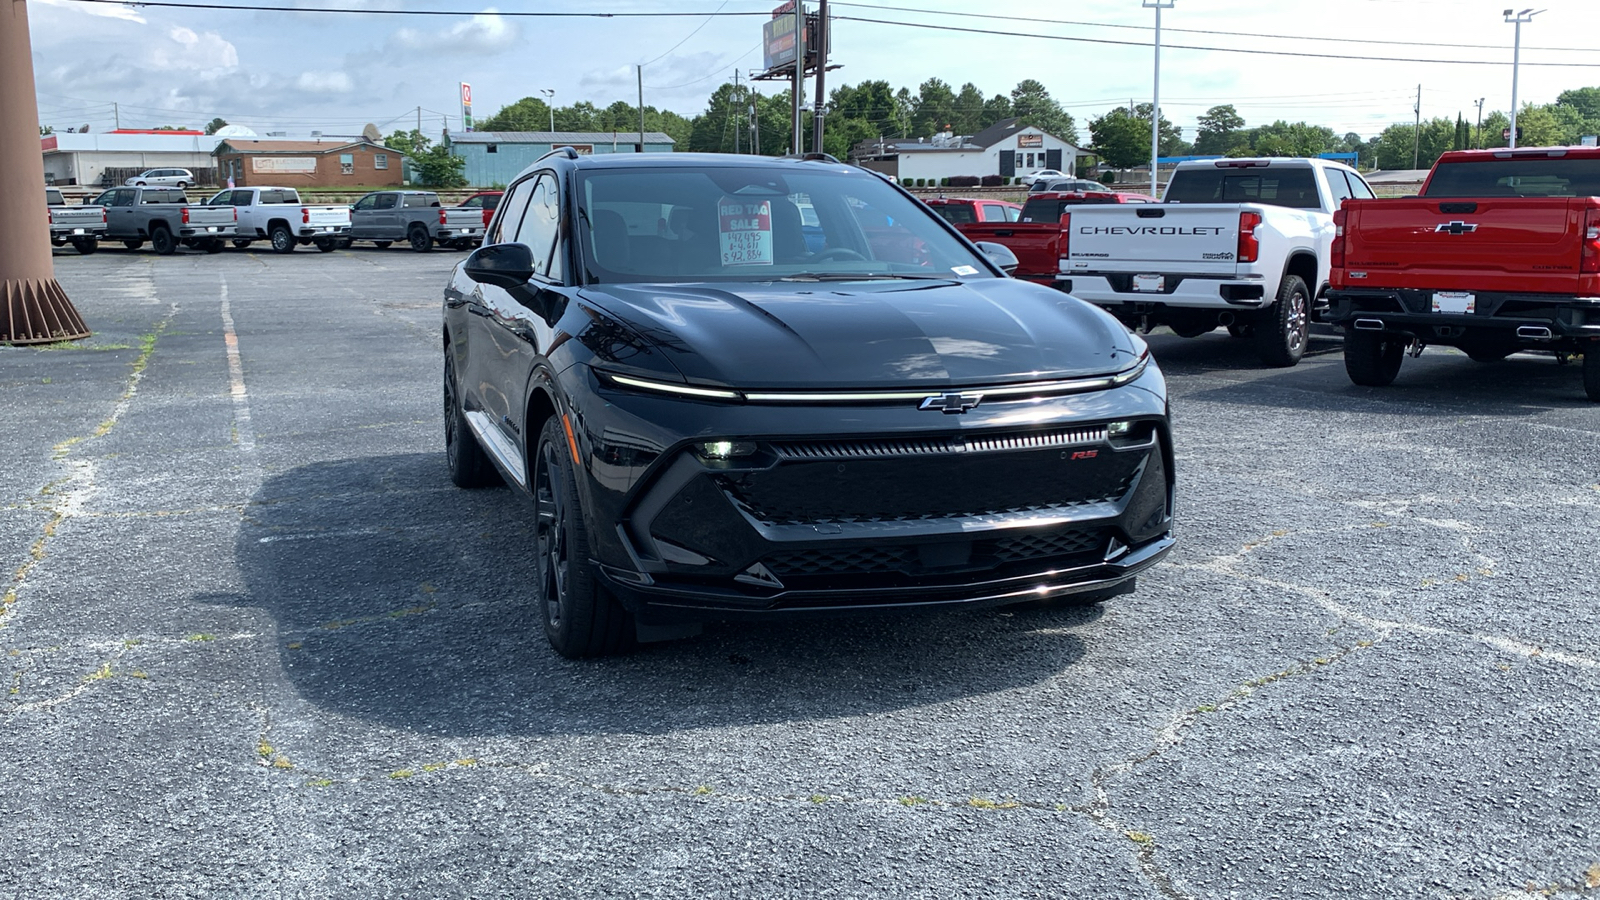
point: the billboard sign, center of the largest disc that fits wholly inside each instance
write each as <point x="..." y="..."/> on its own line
<point x="1030" y="140"/>
<point x="466" y="106"/>
<point x="777" y="37"/>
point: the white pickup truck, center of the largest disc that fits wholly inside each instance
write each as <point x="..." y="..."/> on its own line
<point x="276" y="214"/>
<point x="1241" y="243"/>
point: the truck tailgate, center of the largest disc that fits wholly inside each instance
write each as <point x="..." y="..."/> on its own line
<point x="1034" y="244"/>
<point x="77" y="216"/>
<point x="457" y="217"/>
<point x="328" y="216"/>
<point x="208" y="216"/>
<point x="1193" y="238"/>
<point x="1521" y="244"/>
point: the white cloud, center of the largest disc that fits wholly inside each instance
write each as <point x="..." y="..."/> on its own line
<point x="103" y="10"/>
<point x="483" y="33"/>
<point x="188" y="50"/>
<point x="325" y="82"/>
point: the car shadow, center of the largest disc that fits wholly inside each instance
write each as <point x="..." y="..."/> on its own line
<point x="402" y="600"/>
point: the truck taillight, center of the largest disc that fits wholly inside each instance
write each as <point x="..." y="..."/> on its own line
<point x="305" y="215"/>
<point x="1249" y="247"/>
<point x="487" y="215"/>
<point x="1063" y="245"/>
<point x="186" y="215"/>
<point x="235" y="213"/>
<point x="1591" y="243"/>
<point x="1337" y="255"/>
<point x="442" y="217"/>
<point x="102" y="215"/>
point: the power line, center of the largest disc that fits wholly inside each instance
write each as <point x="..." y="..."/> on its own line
<point x="691" y="34"/>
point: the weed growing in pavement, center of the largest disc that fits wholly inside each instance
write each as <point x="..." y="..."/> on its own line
<point x="984" y="803"/>
<point x="702" y="790"/>
<point x="202" y="636"/>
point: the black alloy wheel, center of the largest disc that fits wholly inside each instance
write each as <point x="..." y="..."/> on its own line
<point x="282" y="240"/>
<point x="421" y="240"/>
<point x="86" y="246"/>
<point x="581" y="618"/>
<point x="382" y="245"/>
<point x="1591" y="370"/>
<point x="211" y="245"/>
<point x="1372" y="358"/>
<point x="470" y="467"/>
<point x="1281" y="337"/>
<point x="240" y="245"/>
<point x="162" y="242"/>
<point x="133" y="245"/>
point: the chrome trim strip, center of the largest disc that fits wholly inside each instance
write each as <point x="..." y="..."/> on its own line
<point x="493" y="440"/>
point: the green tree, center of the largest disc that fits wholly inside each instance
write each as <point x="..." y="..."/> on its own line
<point x="407" y="143"/>
<point x="1219" y="131"/>
<point x="436" y="167"/>
<point x="1032" y="104"/>
<point x="933" y="109"/>
<point x="727" y="115"/>
<point x="873" y="102"/>
<point x="968" y="117"/>
<point x="1121" y="139"/>
<point x="46" y="129"/>
<point x="1298" y="139"/>
<point x="994" y="109"/>
<point x="216" y="125"/>
<point x="1394" y="149"/>
<point x="527" y="114"/>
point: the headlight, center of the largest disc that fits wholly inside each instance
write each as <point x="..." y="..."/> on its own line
<point x="725" y="449"/>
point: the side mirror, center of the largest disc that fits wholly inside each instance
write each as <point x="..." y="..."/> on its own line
<point x="506" y="266"/>
<point x="1000" y="255"/>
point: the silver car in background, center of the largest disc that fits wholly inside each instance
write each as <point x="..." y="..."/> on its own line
<point x="178" y="178"/>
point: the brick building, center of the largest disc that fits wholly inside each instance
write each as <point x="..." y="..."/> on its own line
<point x="337" y="163"/>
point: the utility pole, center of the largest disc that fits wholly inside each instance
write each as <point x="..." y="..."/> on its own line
<point x="755" y="122"/>
<point x="419" y="121"/>
<point x="797" y="136"/>
<point x="641" y="109"/>
<point x="116" y="113"/>
<point x="736" y="98"/>
<point x="1477" y="139"/>
<point x="822" y="66"/>
<point x="1516" y="60"/>
<point x="1155" y="100"/>
<point x="1416" y="132"/>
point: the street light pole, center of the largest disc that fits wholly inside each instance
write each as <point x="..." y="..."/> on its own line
<point x="1516" y="59"/>
<point x="550" y="104"/>
<point x="1155" y="99"/>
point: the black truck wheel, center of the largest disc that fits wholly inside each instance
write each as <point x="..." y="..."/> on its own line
<point x="1281" y="335"/>
<point x="581" y="618"/>
<point x="1591" y="370"/>
<point x="326" y="245"/>
<point x="469" y="465"/>
<point x="211" y="245"/>
<point x="86" y="246"/>
<point x="133" y="245"/>
<point x="382" y="245"/>
<point x="282" y="240"/>
<point x="421" y="240"/>
<point x="1372" y="358"/>
<point x="240" y="244"/>
<point x="162" y="242"/>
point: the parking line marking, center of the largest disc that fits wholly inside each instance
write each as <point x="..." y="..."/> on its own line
<point x="241" y="397"/>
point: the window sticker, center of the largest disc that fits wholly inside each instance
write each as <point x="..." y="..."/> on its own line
<point x="964" y="270"/>
<point x="744" y="229"/>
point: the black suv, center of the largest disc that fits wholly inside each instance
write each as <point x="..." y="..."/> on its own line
<point x="738" y="386"/>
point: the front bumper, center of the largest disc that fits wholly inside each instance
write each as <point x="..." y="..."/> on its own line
<point x="1116" y="289"/>
<point x="1531" y="320"/>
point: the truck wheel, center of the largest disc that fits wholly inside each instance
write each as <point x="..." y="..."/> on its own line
<point x="133" y="245"/>
<point x="421" y="240"/>
<point x="581" y="618"/>
<point x="282" y="240"/>
<point x="326" y="246"/>
<point x="382" y="245"/>
<point x="211" y="245"/>
<point x="344" y="243"/>
<point x="240" y="245"/>
<point x="1281" y="336"/>
<point x="162" y="242"/>
<point x="1591" y="371"/>
<point x="1372" y="358"/>
<point x="86" y="246"/>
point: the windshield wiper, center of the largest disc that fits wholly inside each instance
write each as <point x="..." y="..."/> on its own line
<point x="874" y="276"/>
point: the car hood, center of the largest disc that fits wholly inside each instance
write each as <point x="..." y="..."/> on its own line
<point x="870" y="334"/>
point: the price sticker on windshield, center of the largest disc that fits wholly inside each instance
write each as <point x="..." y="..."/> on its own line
<point x="744" y="230"/>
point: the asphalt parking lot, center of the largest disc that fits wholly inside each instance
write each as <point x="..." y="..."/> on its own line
<point x="255" y="644"/>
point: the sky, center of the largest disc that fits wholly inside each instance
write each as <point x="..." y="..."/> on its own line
<point x="298" y="71"/>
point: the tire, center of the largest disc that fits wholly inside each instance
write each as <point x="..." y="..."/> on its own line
<point x="382" y="245"/>
<point x="1486" y="355"/>
<point x="182" y="185"/>
<point x="133" y="245"/>
<point x="282" y="240"/>
<point x="344" y="243"/>
<point x="1282" y="335"/>
<point x="470" y="467"/>
<point x="421" y="240"/>
<point x="1372" y="358"/>
<point x="211" y="245"/>
<point x="1591" y="371"/>
<point x="581" y="618"/>
<point x="1241" y="330"/>
<point x="139" y="184"/>
<point x="86" y="246"/>
<point x="326" y="246"/>
<point x="162" y="242"/>
<point x="240" y="245"/>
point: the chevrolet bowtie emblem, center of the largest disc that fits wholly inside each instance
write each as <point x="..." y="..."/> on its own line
<point x="951" y="404"/>
<point x="1456" y="227"/>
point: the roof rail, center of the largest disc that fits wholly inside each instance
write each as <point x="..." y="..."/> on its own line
<point x="812" y="157"/>
<point x="568" y="152"/>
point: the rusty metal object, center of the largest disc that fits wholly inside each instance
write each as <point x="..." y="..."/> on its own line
<point x="33" y="307"/>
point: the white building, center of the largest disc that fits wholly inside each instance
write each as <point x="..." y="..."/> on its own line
<point x="1004" y="148"/>
<point x="108" y="158"/>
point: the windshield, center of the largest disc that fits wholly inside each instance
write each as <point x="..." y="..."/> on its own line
<point x="956" y="213"/>
<point x="743" y="223"/>
<point x="1516" y="177"/>
<point x="1294" y="187"/>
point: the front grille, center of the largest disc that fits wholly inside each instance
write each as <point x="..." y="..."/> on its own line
<point x="1071" y="546"/>
<point x="916" y="488"/>
<point x="1042" y="545"/>
<point x="840" y="561"/>
<point x="882" y="449"/>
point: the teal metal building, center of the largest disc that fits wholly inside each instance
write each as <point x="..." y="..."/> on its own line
<point x="494" y="158"/>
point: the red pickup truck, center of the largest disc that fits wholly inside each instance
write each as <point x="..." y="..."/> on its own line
<point x="1035" y="237"/>
<point x="1499" y="253"/>
<point x="969" y="211"/>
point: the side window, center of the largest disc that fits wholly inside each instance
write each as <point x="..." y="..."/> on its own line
<point x="370" y="201"/>
<point x="386" y="201"/>
<point x="510" y="213"/>
<point x="541" y="224"/>
<point x="347" y="164"/>
<point x="1013" y="213"/>
<point x="224" y="198"/>
<point x="1358" y="187"/>
<point x="1337" y="186"/>
<point x="993" y="212"/>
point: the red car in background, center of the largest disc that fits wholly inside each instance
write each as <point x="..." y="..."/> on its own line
<point x="969" y="210"/>
<point x="487" y="201"/>
<point x="1037" y="236"/>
